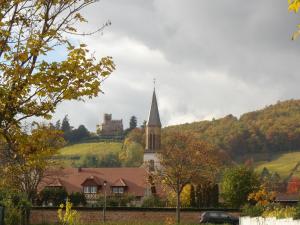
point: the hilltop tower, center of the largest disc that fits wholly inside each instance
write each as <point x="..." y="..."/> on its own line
<point x="153" y="136"/>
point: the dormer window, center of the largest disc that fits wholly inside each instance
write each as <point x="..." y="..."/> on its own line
<point x="90" y="189"/>
<point x="118" y="190"/>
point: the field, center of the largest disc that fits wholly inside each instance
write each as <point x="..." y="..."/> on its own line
<point x="282" y="164"/>
<point x="72" y="153"/>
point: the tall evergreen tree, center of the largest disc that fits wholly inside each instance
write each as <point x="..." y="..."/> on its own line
<point x="57" y="125"/>
<point x="133" y="123"/>
<point x="65" y="126"/>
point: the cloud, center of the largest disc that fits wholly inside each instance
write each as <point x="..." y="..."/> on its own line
<point x="210" y="59"/>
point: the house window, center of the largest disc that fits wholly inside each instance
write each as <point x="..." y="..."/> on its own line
<point x="118" y="190"/>
<point x="90" y="189"/>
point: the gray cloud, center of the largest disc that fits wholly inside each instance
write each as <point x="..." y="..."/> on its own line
<point x="210" y="58"/>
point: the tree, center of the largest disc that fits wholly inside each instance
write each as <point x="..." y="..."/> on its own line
<point x="32" y="85"/>
<point x="133" y="122"/>
<point x="53" y="195"/>
<point x="78" y="134"/>
<point x="29" y="168"/>
<point x="36" y="150"/>
<point x="132" y="154"/>
<point x="143" y="126"/>
<point x="183" y="160"/>
<point x="58" y="125"/>
<point x="237" y="183"/>
<point x="66" y="128"/>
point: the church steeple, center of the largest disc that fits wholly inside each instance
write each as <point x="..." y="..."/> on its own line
<point x="154" y="119"/>
<point x="153" y="136"/>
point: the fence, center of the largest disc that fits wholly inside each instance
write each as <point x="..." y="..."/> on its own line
<point x="267" y="221"/>
<point x="48" y="215"/>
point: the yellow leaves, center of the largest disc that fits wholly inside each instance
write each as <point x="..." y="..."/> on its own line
<point x="294" y="5"/>
<point x="67" y="216"/>
<point x="22" y="56"/>
<point x="262" y="196"/>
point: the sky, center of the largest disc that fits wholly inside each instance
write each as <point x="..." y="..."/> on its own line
<point x="209" y="58"/>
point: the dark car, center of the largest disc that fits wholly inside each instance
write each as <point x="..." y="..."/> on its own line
<point x="218" y="218"/>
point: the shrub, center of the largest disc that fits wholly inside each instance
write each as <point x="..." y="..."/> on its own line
<point x="252" y="210"/>
<point x="16" y="207"/>
<point x="297" y="212"/>
<point x="280" y="212"/>
<point x="124" y="200"/>
<point x="262" y="196"/>
<point x="54" y="195"/>
<point x="70" y="217"/>
<point x="77" y="198"/>
<point x="153" y="201"/>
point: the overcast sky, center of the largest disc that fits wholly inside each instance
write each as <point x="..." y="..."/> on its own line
<point x="210" y="58"/>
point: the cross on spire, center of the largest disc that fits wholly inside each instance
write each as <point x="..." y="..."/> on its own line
<point x="154" y="82"/>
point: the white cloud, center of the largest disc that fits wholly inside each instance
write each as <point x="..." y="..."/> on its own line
<point x="210" y="59"/>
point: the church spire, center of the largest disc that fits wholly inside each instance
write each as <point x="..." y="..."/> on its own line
<point x="154" y="119"/>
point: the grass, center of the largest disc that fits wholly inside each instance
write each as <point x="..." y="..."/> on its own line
<point x="282" y="164"/>
<point x="72" y="153"/>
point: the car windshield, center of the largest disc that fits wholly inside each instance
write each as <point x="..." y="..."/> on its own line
<point x="224" y="215"/>
<point x="213" y="214"/>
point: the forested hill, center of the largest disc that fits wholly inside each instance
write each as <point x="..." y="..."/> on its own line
<point x="274" y="129"/>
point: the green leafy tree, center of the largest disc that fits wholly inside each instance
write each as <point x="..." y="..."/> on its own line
<point x="237" y="183"/>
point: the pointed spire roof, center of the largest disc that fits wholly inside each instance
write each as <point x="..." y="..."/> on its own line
<point x="154" y="119"/>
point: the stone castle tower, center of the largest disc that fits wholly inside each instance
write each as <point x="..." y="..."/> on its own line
<point x="153" y="136"/>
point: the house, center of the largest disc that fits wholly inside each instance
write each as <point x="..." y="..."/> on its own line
<point x="94" y="182"/>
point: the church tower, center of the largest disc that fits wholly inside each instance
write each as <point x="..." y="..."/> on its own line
<point x="153" y="136"/>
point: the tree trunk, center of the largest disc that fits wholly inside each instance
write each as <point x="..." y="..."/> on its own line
<point x="178" y="206"/>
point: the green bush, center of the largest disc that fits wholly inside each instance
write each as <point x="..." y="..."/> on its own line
<point x="297" y="212"/>
<point x="56" y="196"/>
<point x="252" y="210"/>
<point x="237" y="183"/>
<point x="117" y="200"/>
<point x="16" y="207"/>
<point x="153" y="201"/>
<point x="77" y="198"/>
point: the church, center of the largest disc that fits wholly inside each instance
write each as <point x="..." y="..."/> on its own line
<point x="94" y="182"/>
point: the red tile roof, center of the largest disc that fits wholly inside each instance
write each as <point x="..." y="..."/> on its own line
<point x="135" y="179"/>
<point x="119" y="183"/>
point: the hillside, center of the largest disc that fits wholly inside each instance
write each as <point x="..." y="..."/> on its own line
<point x="262" y="133"/>
<point x="283" y="164"/>
<point x="72" y="154"/>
